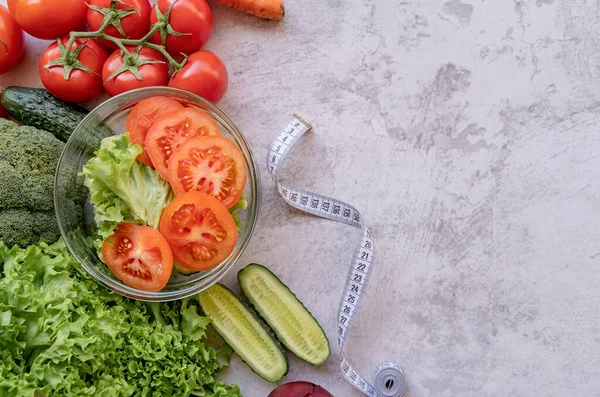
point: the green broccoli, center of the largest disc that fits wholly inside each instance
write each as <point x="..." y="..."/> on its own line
<point x="28" y="160"/>
<point x="24" y="227"/>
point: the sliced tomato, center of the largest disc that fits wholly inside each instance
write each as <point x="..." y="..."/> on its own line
<point x="139" y="256"/>
<point x="200" y="231"/>
<point x="142" y="116"/>
<point x="172" y="129"/>
<point x="213" y="165"/>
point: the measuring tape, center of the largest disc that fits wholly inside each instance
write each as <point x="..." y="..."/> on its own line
<point x="389" y="378"/>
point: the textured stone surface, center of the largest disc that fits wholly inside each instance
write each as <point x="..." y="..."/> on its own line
<point x="467" y="133"/>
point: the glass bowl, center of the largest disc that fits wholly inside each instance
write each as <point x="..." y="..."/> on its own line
<point x="75" y="214"/>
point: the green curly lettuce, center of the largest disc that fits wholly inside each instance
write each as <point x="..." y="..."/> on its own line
<point x="123" y="189"/>
<point x="63" y="334"/>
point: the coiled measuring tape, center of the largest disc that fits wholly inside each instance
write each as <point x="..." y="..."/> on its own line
<point x="388" y="380"/>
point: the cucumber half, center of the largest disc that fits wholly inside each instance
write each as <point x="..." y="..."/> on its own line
<point x="294" y="326"/>
<point x="244" y="333"/>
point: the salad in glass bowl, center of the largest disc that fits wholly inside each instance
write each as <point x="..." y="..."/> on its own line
<point x="157" y="194"/>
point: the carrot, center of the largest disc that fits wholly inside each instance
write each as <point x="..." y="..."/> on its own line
<point x="269" y="9"/>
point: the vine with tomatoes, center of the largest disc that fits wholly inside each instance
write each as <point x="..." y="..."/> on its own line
<point x="128" y="44"/>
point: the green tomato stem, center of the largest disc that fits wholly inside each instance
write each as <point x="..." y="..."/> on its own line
<point x="153" y="29"/>
<point x="122" y="43"/>
<point x="75" y="35"/>
<point x="176" y="65"/>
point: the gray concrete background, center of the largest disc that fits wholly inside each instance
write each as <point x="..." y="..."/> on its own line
<point x="467" y="133"/>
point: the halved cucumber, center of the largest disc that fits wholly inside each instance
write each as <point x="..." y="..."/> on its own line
<point x="295" y="326"/>
<point x="244" y="333"/>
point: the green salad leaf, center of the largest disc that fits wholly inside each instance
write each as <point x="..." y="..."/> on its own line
<point x="63" y="334"/>
<point x="123" y="189"/>
<point x="242" y="204"/>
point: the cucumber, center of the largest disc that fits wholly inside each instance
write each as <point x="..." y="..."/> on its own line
<point x="244" y="332"/>
<point x="293" y="324"/>
<point x="38" y="108"/>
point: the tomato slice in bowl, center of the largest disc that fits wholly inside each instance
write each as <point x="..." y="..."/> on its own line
<point x="141" y="118"/>
<point x="213" y="165"/>
<point x="139" y="256"/>
<point x="200" y="231"/>
<point x="171" y="130"/>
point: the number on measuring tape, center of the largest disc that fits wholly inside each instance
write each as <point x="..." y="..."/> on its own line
<point x="359" y="271"/>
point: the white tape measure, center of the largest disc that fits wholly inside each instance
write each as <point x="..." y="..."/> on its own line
<point x="388" y="379"/>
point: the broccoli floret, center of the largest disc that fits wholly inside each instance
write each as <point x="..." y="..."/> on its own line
<point x="24" y="227"/>
<point x="28" y="160"/>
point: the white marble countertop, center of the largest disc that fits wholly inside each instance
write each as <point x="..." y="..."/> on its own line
<point x="467" y="133"/>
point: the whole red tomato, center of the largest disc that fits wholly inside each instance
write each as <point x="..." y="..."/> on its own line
<point x="48" y="19"/>
<point x="152" y="73"/>
<point x="193" y="18"/>
<point x="135" y="25"/>
<point x="11" y="41"/>
<point x="82" y="86"/>
<point x="203" y="74"/>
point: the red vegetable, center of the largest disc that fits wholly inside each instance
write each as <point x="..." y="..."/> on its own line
<point x="84" y="81"/>
<point x="135" y="21"/>
<point x="200" y="231"/>
<point x="141" y="118"/>
<point x="170" y="130"/>
<point x="147" y="63"/>
<point x="203" y="74"/>
<point x="139" y="256"/>
<point x="48" y="19"/>
<point x="191" y="23"/>
<point x="300" y="389"/>
<point x="11" y="41"/>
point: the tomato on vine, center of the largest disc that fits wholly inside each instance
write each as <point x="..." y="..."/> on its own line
<point x="132" y="19"/>
<point x="11" y="41"/>
<point x="187" y="25"/>
<point x="73" y="77"/>
<point x="48" y="19"/>
<point x="143" y="67"/>
<point x="203" y="74"/>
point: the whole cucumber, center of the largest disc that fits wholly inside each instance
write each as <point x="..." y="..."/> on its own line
<point x="38" y="108"/>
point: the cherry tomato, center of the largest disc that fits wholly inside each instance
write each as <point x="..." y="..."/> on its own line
<point x="200" y="231"/>
<point x="142" y="116"/>
<point x="139" y="256"/>
<point x="82" y="86"/>
<point x="193" y="17"/>
<point x="135" y="25"/>
<point x="48" y="19"/>
<point x="210" y="164"/>
<point x="11" y="41"/>
<point x="171" y="130"/>
<point x="152" y="74"/>
<point x="203" y="74"/>
<point x="299" y="389"/>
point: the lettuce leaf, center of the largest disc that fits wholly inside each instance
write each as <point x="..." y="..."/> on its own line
<point x="123" y="189"/>
<point x="61" y="333"/>
<point x="242" y="204"/>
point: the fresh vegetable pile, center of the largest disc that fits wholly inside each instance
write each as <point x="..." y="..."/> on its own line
<point x="165" y="193"/>
<point x="129" y="44"/>
<point x="61" y="333"/>
<point x="162" y="194"/>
